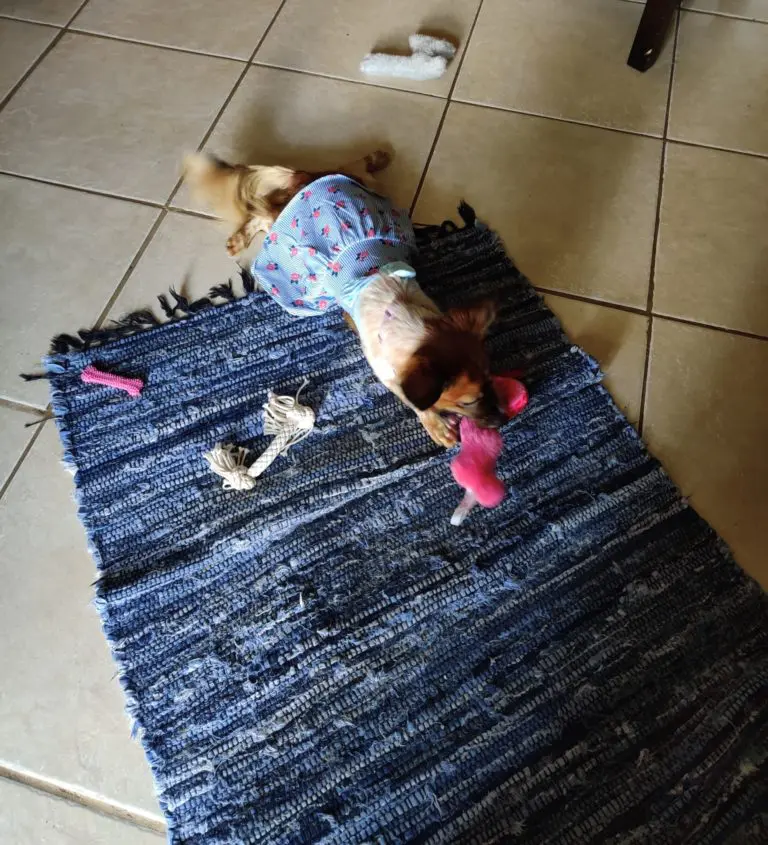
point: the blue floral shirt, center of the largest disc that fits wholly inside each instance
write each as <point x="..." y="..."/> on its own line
<point x="327" y="245"/>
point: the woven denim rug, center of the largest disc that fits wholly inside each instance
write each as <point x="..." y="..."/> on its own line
<point x="325" y="659"/>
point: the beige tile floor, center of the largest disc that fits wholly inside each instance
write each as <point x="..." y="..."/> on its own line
<point x="637" y="203"/>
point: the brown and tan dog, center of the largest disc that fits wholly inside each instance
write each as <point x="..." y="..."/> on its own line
<point x="435" y="362"/>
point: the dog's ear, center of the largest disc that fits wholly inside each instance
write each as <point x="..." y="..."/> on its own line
<point x="423" y="383"/>
<point x="475" y="318"/>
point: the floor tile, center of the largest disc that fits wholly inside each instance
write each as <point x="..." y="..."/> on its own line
<point x="227" y="28"/>
<point x="616" y="338"/>
<point x="187" y="253"/>
<point x="45" y="11"/>
<point x="20" y="44"/>
<point x="565" y="59"/>
<point x="281" y="117"/>
<point x="576" y="205"/>
<point x="34" y="817"/>
<point x="720" y="96"/>
<point x="126" y="137"/>
<point x="14" y="438"/>
<point x="711" y="258"/>
<point x="61" y="706"/>
<point x="706" y="417"/>
<point x="64" y="253"/>
<point x="756" y="10"/>
<point x="333" y="37"/>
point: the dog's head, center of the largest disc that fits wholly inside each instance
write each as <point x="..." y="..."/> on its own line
<point x="450" y="371"/>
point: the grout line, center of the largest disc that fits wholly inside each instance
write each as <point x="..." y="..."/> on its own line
<point x="4" y="485"/>
<point x="445" y="110"/>
<point x="229" y="97"/>
<point x="24" y="407"/>
<point x="701" y="145"/>
<point x="134" y="261"/>
<point x="657" y="226"/>
<point x="85" y="798"/>
<point x="718" y="14"/>
<point x="646" y="375"/>
<point x="25" y="76"/>
<point x="165" y="208"/>
<point x="364" y="82"/>
<point x="81" y="189"/>
<point x="590" y="300"/>
<point x="5" y="17"/>
<point x="685" y="321"/>
<point x="173" y="48"/>
<point x="643" y="312"/>
<point x="496" y="107"/>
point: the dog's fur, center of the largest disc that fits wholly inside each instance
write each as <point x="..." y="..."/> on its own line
<point x="435" y="362"/>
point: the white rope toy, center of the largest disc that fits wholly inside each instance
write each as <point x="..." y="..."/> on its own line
<point x="284" y="418"/>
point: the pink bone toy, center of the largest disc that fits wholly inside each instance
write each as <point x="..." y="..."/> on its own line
<point x="92" y="375"/>
<point x="474" y="468"/>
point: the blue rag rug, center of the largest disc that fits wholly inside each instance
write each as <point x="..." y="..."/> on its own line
<point x="326" y="659"/>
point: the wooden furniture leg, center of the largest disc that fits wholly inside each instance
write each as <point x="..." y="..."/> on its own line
<point x="649" y="39"/>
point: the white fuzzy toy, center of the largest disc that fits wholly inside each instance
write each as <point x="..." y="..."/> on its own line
<point x="429" y="60"/>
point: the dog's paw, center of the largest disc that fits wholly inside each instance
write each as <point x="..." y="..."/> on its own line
<point x="236" y="243"/>
<point x="443" y="430"/>
<point x="377" y="160"/>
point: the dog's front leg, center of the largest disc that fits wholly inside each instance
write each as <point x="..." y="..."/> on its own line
<point x="241" y="238"/>
<point x="441" y="429"/>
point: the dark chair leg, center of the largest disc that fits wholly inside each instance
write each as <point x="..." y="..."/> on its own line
<point x="653" y="28"/>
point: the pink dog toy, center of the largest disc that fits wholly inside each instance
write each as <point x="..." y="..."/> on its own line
<point x="474" y="468"/>
<point x="92" y="375"/>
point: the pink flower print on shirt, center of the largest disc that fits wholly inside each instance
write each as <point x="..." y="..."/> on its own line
<point x="364" y="212"/>
<point x="361" y="256"/>
<point x="326" y="230"/>
<point x="373" y="271"/>
<point x="272" y="266"/>
<point x="295" y="277"/>
<point x="312" y="251"/>
<point x="340" y="204"/>
<point x="305" y="195"/>
<point x="334" y="267"/>
<point x="273" y="237"/>
<point x="303" y="234"/>
<point x="312" y="277"/>
<point x="323" y="304"/>
<point x="295" y="223"/>
<point x="371" y="233"/>
<point x="345" y="225"/>
<point x="315" y="213"/>
<point x="275" y="291"/>
<point x="333" y="189"/>
<point x="294" y="251"/>
<point x="298" y="302"/>
<point x="335" y="248"/>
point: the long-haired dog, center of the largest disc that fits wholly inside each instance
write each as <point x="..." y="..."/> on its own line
<point x="333" y="240"/>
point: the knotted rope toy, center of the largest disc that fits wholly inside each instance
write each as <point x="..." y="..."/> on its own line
<point x="284" y="418"/>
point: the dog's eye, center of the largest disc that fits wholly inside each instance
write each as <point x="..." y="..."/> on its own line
<point x="469" y="404"/>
